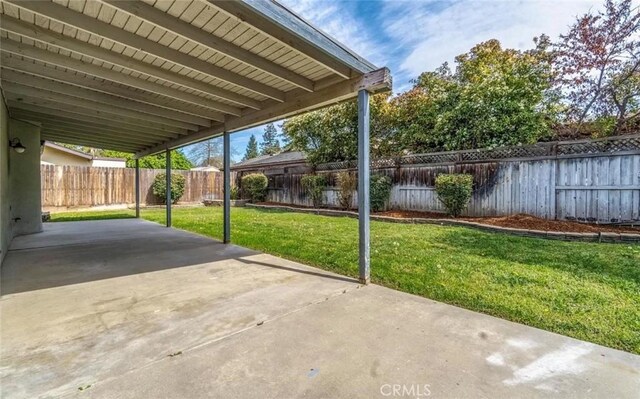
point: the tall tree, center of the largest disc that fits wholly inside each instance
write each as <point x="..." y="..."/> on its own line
<point x="331" y="134"/>
<point x="598" y="62"/>
<point x="252" y="148"/>
<point x="494" y="97"/>
<point x="270" y="144"/>
<point x="207" y="153"/>
<point x="285" y="140"/>
<point x="157" y="161"/>
<point x="414" y="114"/>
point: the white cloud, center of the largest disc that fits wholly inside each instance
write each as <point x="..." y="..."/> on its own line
<point x="435" y="32"/>
<point x="413" y="36"/>
<point x="341" y="21"/>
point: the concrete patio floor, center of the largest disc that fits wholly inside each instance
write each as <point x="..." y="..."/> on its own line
<point x="130" y="309"/>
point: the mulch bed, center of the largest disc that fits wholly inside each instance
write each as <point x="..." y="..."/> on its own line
<point x="519" y="221"/>
<point x="289" y="205"/>
<point x="523" y="221"/>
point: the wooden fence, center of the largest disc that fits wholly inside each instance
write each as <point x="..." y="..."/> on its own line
<point x="592" y="180"/>
<point x="80" y="186"/>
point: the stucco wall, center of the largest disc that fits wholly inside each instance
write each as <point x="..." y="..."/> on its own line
<point x="56" y="157"/>
<point x="5" y="227"/>
<point x="108" y="163"/>
<point x="24" y="179"/>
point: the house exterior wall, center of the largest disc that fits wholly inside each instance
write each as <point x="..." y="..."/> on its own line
<point x="108" y="163"/>
<point x="5" y="226"/>
<point x="24" y="180"/>
<point x="54" y="156"/>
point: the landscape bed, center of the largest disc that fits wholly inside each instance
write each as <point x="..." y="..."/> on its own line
<point x="520" y="225"/>
<point x="589" y="291"/>
<point x="518" y="221"/>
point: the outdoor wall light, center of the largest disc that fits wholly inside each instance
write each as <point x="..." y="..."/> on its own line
<point x="17" y="145"/>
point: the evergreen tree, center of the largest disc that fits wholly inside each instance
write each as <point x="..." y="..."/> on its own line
<point x="270" y="144"/>
<point x="252" y="148"/>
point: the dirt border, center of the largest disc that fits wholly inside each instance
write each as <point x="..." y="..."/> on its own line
<point x="621" y="238"/>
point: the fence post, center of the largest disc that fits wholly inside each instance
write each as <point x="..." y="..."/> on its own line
<point x="364" y="259"/>
<point x="168" y="184"/>
<point x="226" y="237"/>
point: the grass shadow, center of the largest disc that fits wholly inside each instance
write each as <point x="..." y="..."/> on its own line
<point x="75" y="217"/>
<point x="298" y="270"/>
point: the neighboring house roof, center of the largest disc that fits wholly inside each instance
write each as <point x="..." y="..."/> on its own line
<point x="80" y="154"/>
<point x="287" y="157"/>
<point x="68" y="150"/>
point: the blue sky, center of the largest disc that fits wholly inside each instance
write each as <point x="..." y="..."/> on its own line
<point x="414" y="36"/>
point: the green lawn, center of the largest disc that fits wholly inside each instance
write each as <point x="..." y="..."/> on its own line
<point x="584" y="290"/>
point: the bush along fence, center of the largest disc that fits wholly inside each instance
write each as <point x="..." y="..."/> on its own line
<point x="83" y="187"/>
<point x="588" y="180"/>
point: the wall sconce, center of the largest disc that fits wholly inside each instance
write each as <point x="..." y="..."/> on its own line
<point x="17" y="145"/>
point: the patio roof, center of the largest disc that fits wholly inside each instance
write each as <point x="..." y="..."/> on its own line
<point x="144" y="77"/>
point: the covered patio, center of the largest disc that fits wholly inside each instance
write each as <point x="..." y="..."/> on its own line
<point x="129" y="308"/>
<point x="147" y="77"/>
<point x="171" y="314"/>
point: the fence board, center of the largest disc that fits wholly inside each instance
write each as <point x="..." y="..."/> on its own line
<point x="79" y="186"/>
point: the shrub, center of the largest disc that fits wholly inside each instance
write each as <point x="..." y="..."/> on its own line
<point x="314" y="186"/>
<point x="454" y="191"/>
<point x="380" y="191"/>
<point x="177" y="186"/>
<point x="235" y="193"/>
<point x="254" y="186"/>
<point x="347" y="186"/>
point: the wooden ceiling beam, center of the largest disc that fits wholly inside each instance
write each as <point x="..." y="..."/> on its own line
<point x="60" y="60"/>
<point x="94" y="26"/>
<point x="12" y="76"/>
<point x="184" y="29"/>
<point x="53" y="108"/>
<point x="86" y="141"/>
<point x="297" y="103"/>
<point x="86" y="131"/>
<point x="80" y="120"/>
<point x="288" y="32"/>
<point x="38" y="33"/>
<point x="64" y="122"/>
<point x="116" y="112"/>
<point x="69" y="77"/>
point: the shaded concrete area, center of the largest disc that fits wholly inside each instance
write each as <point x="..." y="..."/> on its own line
<point x="130" y="309"/>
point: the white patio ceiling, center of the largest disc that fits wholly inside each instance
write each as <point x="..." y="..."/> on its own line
<point x="143" y="76"/>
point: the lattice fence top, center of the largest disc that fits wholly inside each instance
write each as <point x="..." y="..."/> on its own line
<point x="542" y="150"/>
<point x="614" y="144"/>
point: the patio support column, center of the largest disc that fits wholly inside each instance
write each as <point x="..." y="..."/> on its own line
<point x="227" y="188"/>
<point x="168" y="175"/>
<point x="137" y="188"/>
<point x="363" y="187"/>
